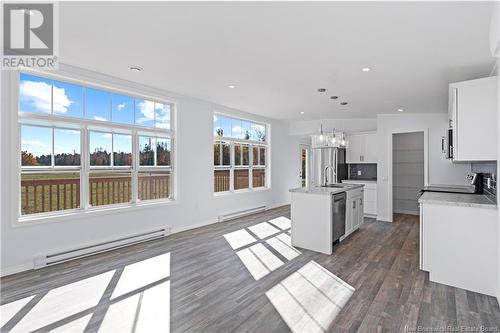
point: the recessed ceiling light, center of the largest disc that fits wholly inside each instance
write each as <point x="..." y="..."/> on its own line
<point x="231" y="86"/>
<point x="135" y="68"/>
<point x="343" y="103"/>
<point x="366" y="69"/>
<point x="334" y="97"/>
<point x="321" y="89"/>
<point x="400" y="110"/>
<point x="301" y="112"/>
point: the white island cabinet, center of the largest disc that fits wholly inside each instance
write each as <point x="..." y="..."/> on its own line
<point x="369" y="196"/>
<point x="458" y="241"/>
<point x="311" y="215"/>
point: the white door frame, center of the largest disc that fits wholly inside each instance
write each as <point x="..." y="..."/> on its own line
<point x="308" y="163"/>
<point x="390" y="165"/>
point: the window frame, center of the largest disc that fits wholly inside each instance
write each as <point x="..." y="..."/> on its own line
<point x="85" y="126"/>
<point x="232" y="167"/>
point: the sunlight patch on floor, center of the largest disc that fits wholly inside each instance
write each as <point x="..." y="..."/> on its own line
<point x="259" y="261"/>
<point x="263" y="230"/>
<point x="7" y="311"/>
<point x="282" y="244"/>
<point x="140" y="301"/>
<point x="147" y="311"/>
<point x="142" y="273"/>
<point x="310" y="299"/>
<point x="239" y="238"/>
<point x="282" y="222"/>
<point x="64" y="301"/>
<point x="75" y="326"/>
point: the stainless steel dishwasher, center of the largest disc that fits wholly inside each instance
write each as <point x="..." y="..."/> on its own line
<point x="338" y="215"/>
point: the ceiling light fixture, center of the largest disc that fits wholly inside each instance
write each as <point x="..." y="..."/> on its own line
<point x="334" y="97"/>
<point x="366" y="69"/>
<point x="343" y="103"/>
<point x="301" y="112"/>
<point x="135" y="68"/>
<point x="231" y="86"/>
<point x="321" y="90"/>
<point x="400" y="110"/>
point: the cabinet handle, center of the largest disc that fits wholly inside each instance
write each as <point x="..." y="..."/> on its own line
<point x="354" y="205"/>
<point x="361" y="202"/>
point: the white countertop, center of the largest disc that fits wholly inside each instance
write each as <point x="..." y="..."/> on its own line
<point x="458" y="199"/>
<point x="325" y="190"/>
<point x="359" y="181"/>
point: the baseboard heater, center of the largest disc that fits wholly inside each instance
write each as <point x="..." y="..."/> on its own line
<point x="241" y="213"/>
<point x="63" y="256"/>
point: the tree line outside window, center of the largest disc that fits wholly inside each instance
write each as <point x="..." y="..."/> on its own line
<point x="240" y="154"/>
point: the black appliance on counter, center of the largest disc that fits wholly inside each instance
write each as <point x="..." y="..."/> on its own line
<point x="475" y="187"/>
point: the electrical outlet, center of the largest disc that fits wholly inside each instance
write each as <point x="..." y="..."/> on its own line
<point x="359" y="172"/>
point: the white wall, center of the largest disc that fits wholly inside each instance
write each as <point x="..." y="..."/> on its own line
<point x="195" y="205"/>
<point x="440" y="170"/>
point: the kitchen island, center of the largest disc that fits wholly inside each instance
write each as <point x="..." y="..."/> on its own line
<point x="313" y="218"/>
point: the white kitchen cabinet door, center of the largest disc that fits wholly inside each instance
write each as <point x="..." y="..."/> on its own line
<point x="362" y="148"/>
<point x="474" y="117"/>
<point x="355" y="149"/>
<point x="369" y="196"/>
<point x="361" y="214"/>
<point x="370" y="151"/>
<point x="348" y="217"/>
<point x="356" y="213"/>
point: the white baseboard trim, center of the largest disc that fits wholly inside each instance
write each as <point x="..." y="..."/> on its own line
<point x="193" y="226"/>
<point x="16" y="269"/>
<point x="278" y="205"/>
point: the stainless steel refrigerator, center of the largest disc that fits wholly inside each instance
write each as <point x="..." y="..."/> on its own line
<point x="328" y="164"/>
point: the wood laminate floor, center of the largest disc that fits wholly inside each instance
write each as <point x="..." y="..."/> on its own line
<point x="243" y="276"/>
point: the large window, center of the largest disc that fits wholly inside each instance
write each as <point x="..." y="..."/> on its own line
<point x="240" y="149"/>
<point x="83" y="147"/>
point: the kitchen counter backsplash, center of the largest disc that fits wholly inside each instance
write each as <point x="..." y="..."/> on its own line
<point x="489" y="170"/>
<point x="368" y="171"/>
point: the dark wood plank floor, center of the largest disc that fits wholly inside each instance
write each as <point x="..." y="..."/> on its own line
<point x="211" y="290"/>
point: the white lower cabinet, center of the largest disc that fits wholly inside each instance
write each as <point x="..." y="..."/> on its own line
<point x="354" y="211"/>
<point x="369" y="196"/>
<point x="458" y="246"/>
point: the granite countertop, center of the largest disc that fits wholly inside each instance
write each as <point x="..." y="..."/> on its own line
<point x="325" y="190"/>
<point x="458" y="199"/>
<point x="360" y="181"/>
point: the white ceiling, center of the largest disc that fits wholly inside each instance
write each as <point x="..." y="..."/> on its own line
<point x="278" y="54"/>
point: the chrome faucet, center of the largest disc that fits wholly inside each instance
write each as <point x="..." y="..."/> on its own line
<point x="325" y="171"/>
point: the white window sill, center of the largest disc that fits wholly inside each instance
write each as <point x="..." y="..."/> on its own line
<point x="71" y="215"/>
<point x="254" y="190"/>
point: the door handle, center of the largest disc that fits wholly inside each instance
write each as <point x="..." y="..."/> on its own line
<point x="443" y="139"/>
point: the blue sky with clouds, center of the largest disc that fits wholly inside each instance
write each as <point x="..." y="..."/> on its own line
<point x="70" y="100"/>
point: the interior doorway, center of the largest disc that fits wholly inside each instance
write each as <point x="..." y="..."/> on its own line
<point x="408" y="171"/>
<point x="304" y="156"/>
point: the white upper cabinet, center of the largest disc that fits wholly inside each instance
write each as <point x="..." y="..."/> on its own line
<point x="473" y="114"/>
<point x="362" y="148"/>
